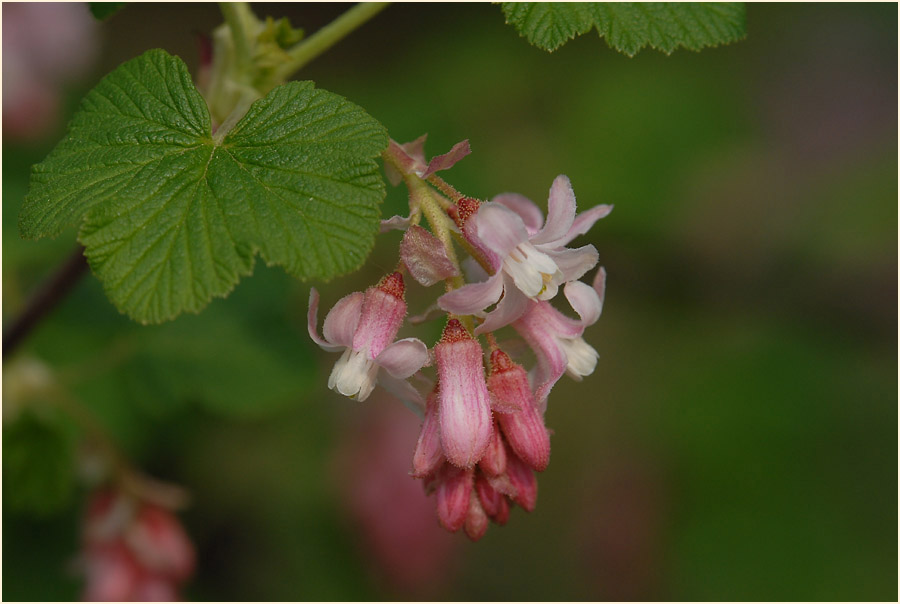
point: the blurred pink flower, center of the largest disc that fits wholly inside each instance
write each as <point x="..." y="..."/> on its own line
<point x="133" y="551"/>
<point x="45" y="47"/>
<point x="395" y="518"/>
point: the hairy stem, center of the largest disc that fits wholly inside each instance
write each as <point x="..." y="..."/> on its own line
<point x="45" y="299"/>
<point x="328" y="36"/>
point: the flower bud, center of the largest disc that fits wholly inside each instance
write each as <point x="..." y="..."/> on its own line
<point x="465" y="412"/>
<point x="493" y="502"/>
<point x="428" y="455"/>
<point x="453" y="493"/>
<point x="493" y="462"/>
<point x="523" y="479"/>
<point x="476" y="519"/>
<point x="524" y="429"/>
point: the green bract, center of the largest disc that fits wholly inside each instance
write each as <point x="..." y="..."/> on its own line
<point x="172" y="217"/>
<point x="630" y="26"/>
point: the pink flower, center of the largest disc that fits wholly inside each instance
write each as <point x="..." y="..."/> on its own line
<point x="556" y="339"/>
<point x="464" y="402"/>
<point x="363" y="326"/>
<point x="133" y="551"/>
<point x="530" y="261"/>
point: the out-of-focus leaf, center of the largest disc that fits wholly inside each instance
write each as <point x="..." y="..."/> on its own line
<point x="104" y="10"/>
<point x="38" y="465"/>
<point x="630" y="26"/>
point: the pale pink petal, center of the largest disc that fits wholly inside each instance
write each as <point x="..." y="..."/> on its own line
<point x="512" y="305"/>
<point x="584" y="300"/>
<point x="416" y="149"/>
<point x="574" y="263"/>
<point x="498" y="228"/>
<point x="312" y="319"/>
<point x="583" y="223"/>
<point x="445" y="161"/>
<point x="473" y="297"/>
<point x="403" y="390"/>
<point x="395" y="223"/>
<point x="342" y="320"/>
<point x="560" y="211"/>
<point x="600" y="285"/>
<point x="425" y="257"/>
<point x="403" y="358"/>
<point x="527" y="210"/>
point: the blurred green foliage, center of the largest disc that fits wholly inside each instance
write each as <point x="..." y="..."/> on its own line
<point x="737" y="441"/>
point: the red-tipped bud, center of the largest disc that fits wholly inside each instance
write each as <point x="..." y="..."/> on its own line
<point x="476" y="519"/>
<point x="493" y="462"/>
<point x="453" y="495"/>
<point x="455" y="332"/>
<point x="428" y="455"/>
<point x="524" y="429"/>
<point x="393" y="284"/>
<point x="463" y="210"/>
<point x="523" y="479"/>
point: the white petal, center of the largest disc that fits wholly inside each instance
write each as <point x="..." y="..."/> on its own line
<point x="354" y="375"/>
<point x="573" y="264"/>
<point x="581" y="358"/>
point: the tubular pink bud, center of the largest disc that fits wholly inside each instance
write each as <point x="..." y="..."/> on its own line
<point x="493" y="502"/>
<point x="428" y="455"/>
<point x="523" y="479"/>
<point x="453" y="493"/>
<point x="493" y="462"/>
<point x="476" y="519"/>
<point x="382" y="313"/>
<point x="524" y="429"/>
<point x="465" y="412"/>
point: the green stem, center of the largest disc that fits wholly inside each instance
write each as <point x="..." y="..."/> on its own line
<point x="325" y="38"/>
<point x="236" y="15"/>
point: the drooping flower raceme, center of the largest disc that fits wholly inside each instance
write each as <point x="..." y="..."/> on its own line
<point x="363" y="326"/>
<point x="483" y="436"/>
<point x="530" y="261"/>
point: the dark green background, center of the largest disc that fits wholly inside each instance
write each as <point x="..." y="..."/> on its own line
<point x="737" y="440"/>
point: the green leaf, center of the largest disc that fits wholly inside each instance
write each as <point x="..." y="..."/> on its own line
<point x="630" y="26"/>
<point x="104" y="10"/>
<point x="172" y="216"/>
<point x="38" y="465"/>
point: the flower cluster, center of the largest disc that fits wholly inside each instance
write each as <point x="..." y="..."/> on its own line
<point x="483" y="435"/>
<point x="133" y="551"/>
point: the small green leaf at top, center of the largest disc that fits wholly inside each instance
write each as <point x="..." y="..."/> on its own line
<point x="171" y="216"/>
<point x="630" y="26"/>
<point x="104" y="10"/>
